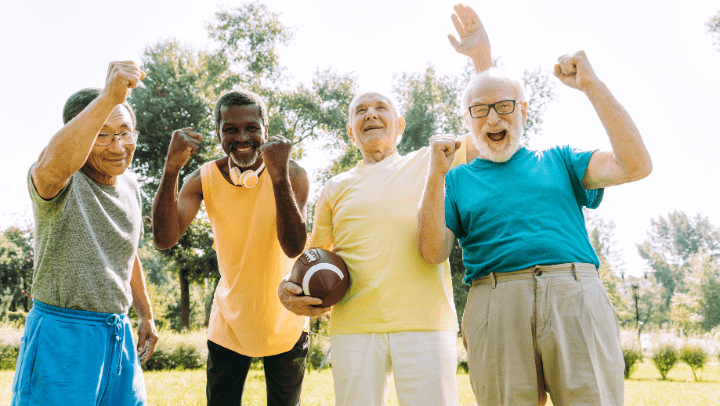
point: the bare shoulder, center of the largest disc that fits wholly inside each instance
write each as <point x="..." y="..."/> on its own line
<point x="193" y="184"/>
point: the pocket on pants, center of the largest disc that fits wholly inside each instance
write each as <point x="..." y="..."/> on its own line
<point x="598" y="305"/>
<point x="475" y="316"/>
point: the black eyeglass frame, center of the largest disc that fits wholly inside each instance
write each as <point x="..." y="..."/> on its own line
<point x="492" y="106"/>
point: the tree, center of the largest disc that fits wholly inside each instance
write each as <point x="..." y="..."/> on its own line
<point x="16" y="268"/>
<point x="713" y="26"/>
<point x="697" y="307"/>
<point x="671" y="244"/>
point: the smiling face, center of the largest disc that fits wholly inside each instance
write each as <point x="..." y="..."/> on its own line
<point x="497" y="137"/>
<point x="374" y="124"/>
<point x="241" y="133"/>
<point x="105" y="164"/>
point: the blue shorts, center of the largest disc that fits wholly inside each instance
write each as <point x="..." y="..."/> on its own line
<point x="75" y="357"/>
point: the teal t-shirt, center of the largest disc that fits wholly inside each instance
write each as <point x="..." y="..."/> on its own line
<point x="521" y="213"/>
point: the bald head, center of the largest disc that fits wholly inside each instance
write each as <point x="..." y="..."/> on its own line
<point x="488" y="80"/>
<point x="372" y="95"/>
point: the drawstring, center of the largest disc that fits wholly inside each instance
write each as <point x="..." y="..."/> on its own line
<point x="115" y="320"/>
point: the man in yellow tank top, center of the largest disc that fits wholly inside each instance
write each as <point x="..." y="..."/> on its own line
<point x="255" y="198"/>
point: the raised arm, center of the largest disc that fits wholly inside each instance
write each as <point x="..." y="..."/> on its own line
<point x="474" y="41"/>
<point x="435" y="239"/>
<point x="629" y="160"/>
<point x="69" y="148"/>
<point x="172" y="213"/>
<point x="290" y="187"/>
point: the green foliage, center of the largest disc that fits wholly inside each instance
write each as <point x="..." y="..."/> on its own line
<point x="16" y="269"/>
<point x="672" y="242"/>
<point x="8" y="355"/>
<point x="632" y="356"/>
<point x="460" y="293"/>
<point x="178" y="351"/>
<point x="665" y="356"/>
<point x="713" y="28"/>
<point x="540" y="92"/>
<point x="694" y="356"/>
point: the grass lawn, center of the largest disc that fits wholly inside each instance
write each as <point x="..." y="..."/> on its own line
<point x="176" y="388"/>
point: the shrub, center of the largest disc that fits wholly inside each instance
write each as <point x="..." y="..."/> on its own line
<point x="10" y="335"/>
<point x="664" y="357"/>
<point x="8" y="356"/>
<point x="633" y="356"/>
<point x="16" y="317"/>
<point x="180" y="357"/>
<point x="462" y="360"/>
<point x="316" y="354"/>
<point x="695" y="356"/>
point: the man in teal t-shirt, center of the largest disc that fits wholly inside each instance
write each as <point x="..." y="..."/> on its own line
<point x="537" y="318"/>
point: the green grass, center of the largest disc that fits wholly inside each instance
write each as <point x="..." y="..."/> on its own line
<point x="182" y="388"/>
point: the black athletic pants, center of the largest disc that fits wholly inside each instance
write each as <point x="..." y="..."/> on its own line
<point x="227" y="371"/>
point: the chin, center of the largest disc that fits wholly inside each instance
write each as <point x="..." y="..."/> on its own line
<point x="246" y="162"/>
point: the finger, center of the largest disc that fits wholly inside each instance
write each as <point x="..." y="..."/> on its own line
<point x="557" y="72"/>
<point x="464" y="16"/>
<point x="292" y="288"/>
<point x="454" y="42"/>
<point x="569" y="66"/>
<point x="458" y="25"/>
<point x="316" y="311"/>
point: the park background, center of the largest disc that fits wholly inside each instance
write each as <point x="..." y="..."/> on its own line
<point x="661" y="60"/>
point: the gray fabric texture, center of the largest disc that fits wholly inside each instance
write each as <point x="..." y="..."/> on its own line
<point x="86" y="239"/>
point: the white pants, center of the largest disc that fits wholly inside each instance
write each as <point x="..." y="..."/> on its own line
<point x="424" y="364"/>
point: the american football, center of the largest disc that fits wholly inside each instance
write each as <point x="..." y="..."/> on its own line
<point x="321" y="274"/>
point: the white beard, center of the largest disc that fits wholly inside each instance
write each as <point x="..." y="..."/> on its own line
<point x="502" y="154"/>
<point x="245" y="163"/>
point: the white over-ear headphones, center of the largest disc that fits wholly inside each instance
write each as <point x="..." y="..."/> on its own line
<point x="247" y="179"/>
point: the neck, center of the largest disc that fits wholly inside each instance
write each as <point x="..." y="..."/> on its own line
<point x="100" y="177"/>
<point x="373" y="157"/>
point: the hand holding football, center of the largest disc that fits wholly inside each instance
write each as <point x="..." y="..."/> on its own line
<point x="321" y="274"/>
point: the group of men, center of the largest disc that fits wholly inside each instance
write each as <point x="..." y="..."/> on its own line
<point x="537" y="319"/>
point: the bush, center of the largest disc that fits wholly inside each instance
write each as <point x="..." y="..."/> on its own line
<point x="316" y="354"/>
<point x="180" y="357"/>
<point x="695" y="356"/>
<point x="10" y="335"/>
<point x="633" y="357"/>
<point x="664" y="357"/>
<point x="16" y="317"/>
<point x="8" y="356"/>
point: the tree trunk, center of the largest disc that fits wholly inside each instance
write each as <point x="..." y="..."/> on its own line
<point x="184" y="300"/>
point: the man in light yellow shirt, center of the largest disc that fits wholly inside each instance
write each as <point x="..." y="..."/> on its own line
<point x="398" y="315"/>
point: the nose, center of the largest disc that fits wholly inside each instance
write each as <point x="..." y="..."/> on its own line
<point x="493" y="117"/>
<point x="371" y="113"/>
<point x="115" y="146"/>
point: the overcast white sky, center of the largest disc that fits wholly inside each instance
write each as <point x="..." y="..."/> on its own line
<point x="655" y="56"/>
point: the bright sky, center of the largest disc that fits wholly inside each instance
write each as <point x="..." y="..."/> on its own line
<point x="655" y="56"/>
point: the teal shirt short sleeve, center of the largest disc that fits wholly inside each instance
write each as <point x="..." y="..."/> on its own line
<point x="520" y="213"/>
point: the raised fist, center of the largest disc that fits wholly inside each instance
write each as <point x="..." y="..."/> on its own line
<point x="575" y="71"/>
<point x="121" y="77"/>
<point x="185" y="142"/>
<point x="276" y="154"/>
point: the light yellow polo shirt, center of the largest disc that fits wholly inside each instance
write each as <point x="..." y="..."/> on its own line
<point x="370" y="215"/>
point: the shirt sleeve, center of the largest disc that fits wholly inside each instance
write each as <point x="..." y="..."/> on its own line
<point x="577" y="162"/>
<point x="48" y="207"/>
<point x="322" y="233"/>
<point x="452" y="216"/>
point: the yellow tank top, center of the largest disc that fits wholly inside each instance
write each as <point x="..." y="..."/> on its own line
<point x="247" y="316"/>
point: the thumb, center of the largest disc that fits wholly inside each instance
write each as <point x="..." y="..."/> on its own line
<point x="453" y="41"/>
<point x="293" y="288"/>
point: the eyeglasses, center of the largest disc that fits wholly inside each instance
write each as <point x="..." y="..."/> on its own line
<point x="105" y="139"/>
<point x="502" y="107"/>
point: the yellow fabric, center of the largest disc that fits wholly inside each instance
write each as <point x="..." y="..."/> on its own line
<point x="370" y="215"/>
<point x="461" y="153"/>
<point x="247" y="316"/>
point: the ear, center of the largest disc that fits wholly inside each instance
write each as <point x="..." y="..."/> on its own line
<point x="467" y="120"/>
<point x="400" y="126"/>
<point x="524" y="112"/>
<point x="217" y="134"/>
<point x="351" y="136"/>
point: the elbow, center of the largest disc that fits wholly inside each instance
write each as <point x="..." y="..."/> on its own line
<point x="642" y="171"/>
<point x="295" y="247"/>
<point x="430" y="256"/>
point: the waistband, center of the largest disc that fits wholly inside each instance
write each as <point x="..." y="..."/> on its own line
<point x="73" y="314"/>
<point x="574" y="269"/>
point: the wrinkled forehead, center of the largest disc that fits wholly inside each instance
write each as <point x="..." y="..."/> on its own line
<point x="119" y="118"/>
<point x="370" y="98"/>
<point x="492" y="89"/>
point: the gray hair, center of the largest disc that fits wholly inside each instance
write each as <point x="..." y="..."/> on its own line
<point x="82" y="98"/>
<point x="492" y="73"/>
<point x="365" y="92"/>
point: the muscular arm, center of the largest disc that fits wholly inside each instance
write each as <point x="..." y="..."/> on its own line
<point x="69" y="148"/>
<point x="629" y="160"/>
<point x="147" y="334"/>
<point x="291" y="194"/>
<point x="172" y="213"/>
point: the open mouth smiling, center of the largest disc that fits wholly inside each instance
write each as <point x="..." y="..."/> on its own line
<point x="497" y="136"/>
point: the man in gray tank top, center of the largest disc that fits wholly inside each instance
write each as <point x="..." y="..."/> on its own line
<point x="77" y="347"/>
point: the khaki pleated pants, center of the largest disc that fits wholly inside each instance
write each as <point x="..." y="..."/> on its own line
<point x="546" y="329"/>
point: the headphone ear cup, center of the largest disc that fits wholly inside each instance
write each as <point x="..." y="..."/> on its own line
<point x="235" y="176"/>
<point x="249" y="179"/>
